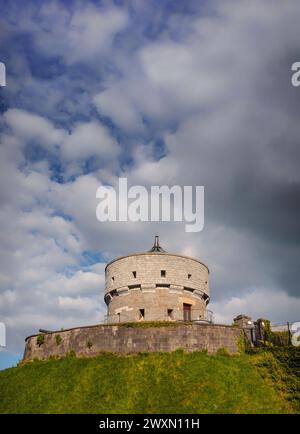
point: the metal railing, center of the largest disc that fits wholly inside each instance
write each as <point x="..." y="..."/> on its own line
<point x="265" y="334"/>
<point x="209" y="315"/>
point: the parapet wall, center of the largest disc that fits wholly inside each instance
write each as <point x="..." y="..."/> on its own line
<point x="91" y="340"/>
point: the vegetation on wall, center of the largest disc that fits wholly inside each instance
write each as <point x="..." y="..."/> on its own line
<point x="58" y="339"/>
<point x="272" y="338"/>
<point x="89" y="344"/>
<point x="40" y="339"/>
<point x="242" y="343"/>
<point x="148" y="324"/>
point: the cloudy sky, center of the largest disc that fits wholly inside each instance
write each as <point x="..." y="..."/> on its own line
<point x="161" y="92"/>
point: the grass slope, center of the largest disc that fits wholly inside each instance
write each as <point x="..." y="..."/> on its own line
<point x="143" y="383"/>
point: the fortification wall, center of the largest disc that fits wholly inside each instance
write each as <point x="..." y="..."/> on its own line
<point x="90" y="341"/>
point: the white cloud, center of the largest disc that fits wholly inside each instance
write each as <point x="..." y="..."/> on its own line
<point x="276" y="306"/>
<point x="40" y="250"/>
<point x="181" y="72"/>
<point x="85" y="140"/>
<point x="81" y="36"/>
<point x="118" y="105"/>
<point x="151" y="172"/>
<point x="81" y="282"/>
<point x="89" y="139"/>
<point x="30" y="126"/>
<point x="7" y="299"/>
<point x="82" y="304"/>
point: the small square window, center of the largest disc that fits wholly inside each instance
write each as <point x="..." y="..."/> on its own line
<point x="112" y="279"/>
<point x="163" y="273"/>
<point x="134" y="274"/>
<point x="142" y="314"/>
<point x="189" y="276"/>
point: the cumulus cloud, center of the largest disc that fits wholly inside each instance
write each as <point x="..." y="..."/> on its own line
<point x="256" y="303"/>
<point x="81" y="304"/>
<point x="91" y="281"/>
<point x="30" y="126"/>
<point x="7" y="299"/>
<point x="81" y="35"/>
<point x="89" y="140"/>
<point x="115" y="103"/>
<point x="41" y="254"/>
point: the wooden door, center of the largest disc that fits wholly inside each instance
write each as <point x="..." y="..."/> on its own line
<point x="187" y="312"/>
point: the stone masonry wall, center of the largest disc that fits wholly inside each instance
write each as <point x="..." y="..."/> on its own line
<point x="89" y="341"/>
<point x="156" y="304"/>
<point x="134" y="283"/>
<point x="148" y="267"/>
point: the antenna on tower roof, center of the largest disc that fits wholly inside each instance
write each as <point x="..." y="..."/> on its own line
<point x="156" y="247"/>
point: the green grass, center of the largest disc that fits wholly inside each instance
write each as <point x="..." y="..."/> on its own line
<point x="143" y="383"/>
<point x="281" y="367"/>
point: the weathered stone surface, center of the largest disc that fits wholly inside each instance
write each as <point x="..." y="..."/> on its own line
<point x="92" y="340"/>
<point x="134" y="283"/>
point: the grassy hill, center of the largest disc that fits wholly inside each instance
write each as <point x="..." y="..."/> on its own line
<point x="150" y="383"/>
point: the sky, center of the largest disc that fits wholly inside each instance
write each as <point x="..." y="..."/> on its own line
<point x="162" y="93"/>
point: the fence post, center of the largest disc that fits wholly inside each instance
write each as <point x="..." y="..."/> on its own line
<point x="289" y="332"/>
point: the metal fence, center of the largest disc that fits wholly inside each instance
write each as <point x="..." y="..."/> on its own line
<point x="265" y="333"/>
<point x="281" y="334"/>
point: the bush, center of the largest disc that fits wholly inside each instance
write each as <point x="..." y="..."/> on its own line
<point x="40" y="340"/>
<point x="242" y="343"/>
<point x="223" y="352"/>
<point x="58" y="339"/>
<point x="281" y="365"/>
<point x="71" y="354"/>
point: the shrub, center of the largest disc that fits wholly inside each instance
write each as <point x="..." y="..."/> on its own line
<point x="223" y="352"/>
<point x="58" y="339"/>
<point x="40" y="340"/>
<point x="71" y="354"/>
<point x="241" y="343"/>
<point x="281" y="365"/>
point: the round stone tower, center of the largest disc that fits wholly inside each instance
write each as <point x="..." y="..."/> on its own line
<point x="156" y="286"/>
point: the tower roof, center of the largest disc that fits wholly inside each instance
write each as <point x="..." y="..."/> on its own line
<point x="156" y="247"/>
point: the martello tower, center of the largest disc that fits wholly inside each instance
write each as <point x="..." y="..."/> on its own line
<point x="156" y="286"/>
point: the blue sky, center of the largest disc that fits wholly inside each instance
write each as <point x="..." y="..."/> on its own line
<point x="160" y="92"/>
